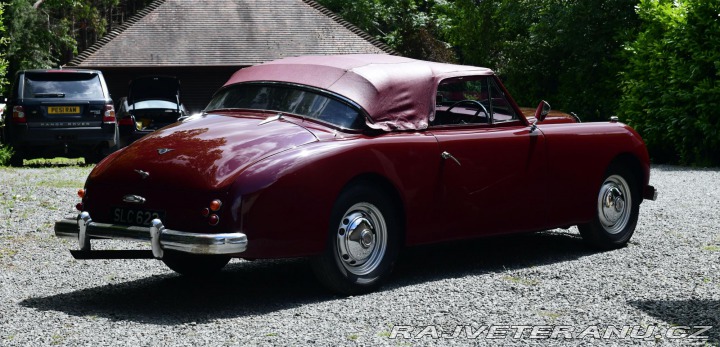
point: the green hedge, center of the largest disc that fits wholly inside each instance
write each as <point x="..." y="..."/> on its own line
<point x="671" y="92"/>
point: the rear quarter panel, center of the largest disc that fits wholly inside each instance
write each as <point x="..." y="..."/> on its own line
<point x="287" y="198"/>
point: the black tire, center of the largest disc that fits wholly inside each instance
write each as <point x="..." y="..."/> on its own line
<point x="98" y="153"/>
<point x="16" y="160"/>
<point x="107" y="149"/>
<point x="193" y="265"/>
<point x="91" y="158"/>
<point x="616" y="210"/>
<point x="363" y="241"/>
<point x="95" y="154"/>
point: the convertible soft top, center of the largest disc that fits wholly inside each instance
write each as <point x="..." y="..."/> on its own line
<point x="397" y="93"/>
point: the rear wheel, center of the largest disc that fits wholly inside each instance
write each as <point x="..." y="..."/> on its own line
<point x="107" y="149"/>
<point x="96" y="154"/>
<point x="616" y="211"/>
<point x="363" y="242"/>
<point x="16" y="159"/>
<point x="194" y="265"/>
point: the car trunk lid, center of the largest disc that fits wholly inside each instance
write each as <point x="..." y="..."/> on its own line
<point x="202" y="154"/>
<point x="154" y="88"/>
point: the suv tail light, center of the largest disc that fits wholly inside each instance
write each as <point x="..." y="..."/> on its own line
<point x="18" y="114"/>
<point x="109" y="115"/>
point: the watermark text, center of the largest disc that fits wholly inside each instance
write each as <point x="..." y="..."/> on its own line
<point x="567" y="332"/>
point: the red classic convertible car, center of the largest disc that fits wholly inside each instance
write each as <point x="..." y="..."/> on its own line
<point x="346" y="159"/>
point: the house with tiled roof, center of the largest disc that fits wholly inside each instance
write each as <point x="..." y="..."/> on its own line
<point x="203" y="42"/>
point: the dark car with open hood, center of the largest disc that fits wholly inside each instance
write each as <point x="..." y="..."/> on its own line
<point x="346" y="160"/>
<point x="153" y="102"/>
<point x="64" y="112"/>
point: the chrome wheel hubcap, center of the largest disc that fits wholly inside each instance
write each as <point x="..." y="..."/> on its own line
<point x="614" y="204"/>
<point x="361" y="238"/>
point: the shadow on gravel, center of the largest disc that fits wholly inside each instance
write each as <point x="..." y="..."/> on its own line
<point x="488" y="255"/>
<point x="259" y="287"/>
<point x="689" y="313"/>
<point x="242" y="289"/>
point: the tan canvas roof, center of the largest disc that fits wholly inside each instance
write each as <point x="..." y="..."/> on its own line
<point x="397" y="93"/>
<point x="226" y="33"/>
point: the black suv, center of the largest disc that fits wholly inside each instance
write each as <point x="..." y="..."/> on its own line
<point x="60" y="112"/>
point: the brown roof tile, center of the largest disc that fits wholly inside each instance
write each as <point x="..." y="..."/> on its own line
<point x="226" y="33"/>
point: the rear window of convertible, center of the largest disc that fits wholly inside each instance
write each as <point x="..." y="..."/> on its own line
<point x="291" y="99"/>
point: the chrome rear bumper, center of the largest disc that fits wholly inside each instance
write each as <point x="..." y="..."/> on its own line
<point x="160" y="238"/>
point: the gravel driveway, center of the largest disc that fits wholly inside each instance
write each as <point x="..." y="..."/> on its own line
<point x="538" y="289"/>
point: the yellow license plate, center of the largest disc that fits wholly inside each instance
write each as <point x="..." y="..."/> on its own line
<point x="63" y="109"/>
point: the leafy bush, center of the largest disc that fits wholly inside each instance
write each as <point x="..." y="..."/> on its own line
<point x="5" y="155"/>
<point x="671" y="84"/>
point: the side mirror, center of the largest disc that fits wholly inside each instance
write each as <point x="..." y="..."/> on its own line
<point x="542" y="111"/>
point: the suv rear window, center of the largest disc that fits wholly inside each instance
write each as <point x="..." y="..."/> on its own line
<point x="65" y="85"/>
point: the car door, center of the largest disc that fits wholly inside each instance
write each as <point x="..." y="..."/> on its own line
<point x="493" y="170"/>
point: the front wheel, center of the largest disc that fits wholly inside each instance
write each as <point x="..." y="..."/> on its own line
<point x="616" y="211"/>
<point x="363" y="242"/>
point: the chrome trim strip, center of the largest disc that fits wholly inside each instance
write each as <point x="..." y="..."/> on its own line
<point x="160" y="238"/>
<point x="134" y="199"/>
<point x="143" y="174"/>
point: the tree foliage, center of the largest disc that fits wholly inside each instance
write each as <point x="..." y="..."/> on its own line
<point x="671" y="84"/>
<point x="31" y="44"/>
<point x="411" y="27"/>
<point x="654" y="63"/>
<point x="3" y="58"/>
<point x="566" y="52"/>
<point x="49" y="33"/>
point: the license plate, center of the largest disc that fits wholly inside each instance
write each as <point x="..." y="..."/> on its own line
<point x="63" y="109"/>
<point x="132" y="216"/>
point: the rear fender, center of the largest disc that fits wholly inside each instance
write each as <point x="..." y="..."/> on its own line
<point x="287" y="199"/>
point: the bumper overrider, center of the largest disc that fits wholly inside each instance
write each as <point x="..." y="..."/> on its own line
<point x="83" y="229"/>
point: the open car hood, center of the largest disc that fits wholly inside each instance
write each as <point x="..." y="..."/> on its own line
<point x="201" y="154"/>
<point x="154" y="88"/>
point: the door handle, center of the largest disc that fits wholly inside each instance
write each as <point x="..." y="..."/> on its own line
<point x="447" y="155"/>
